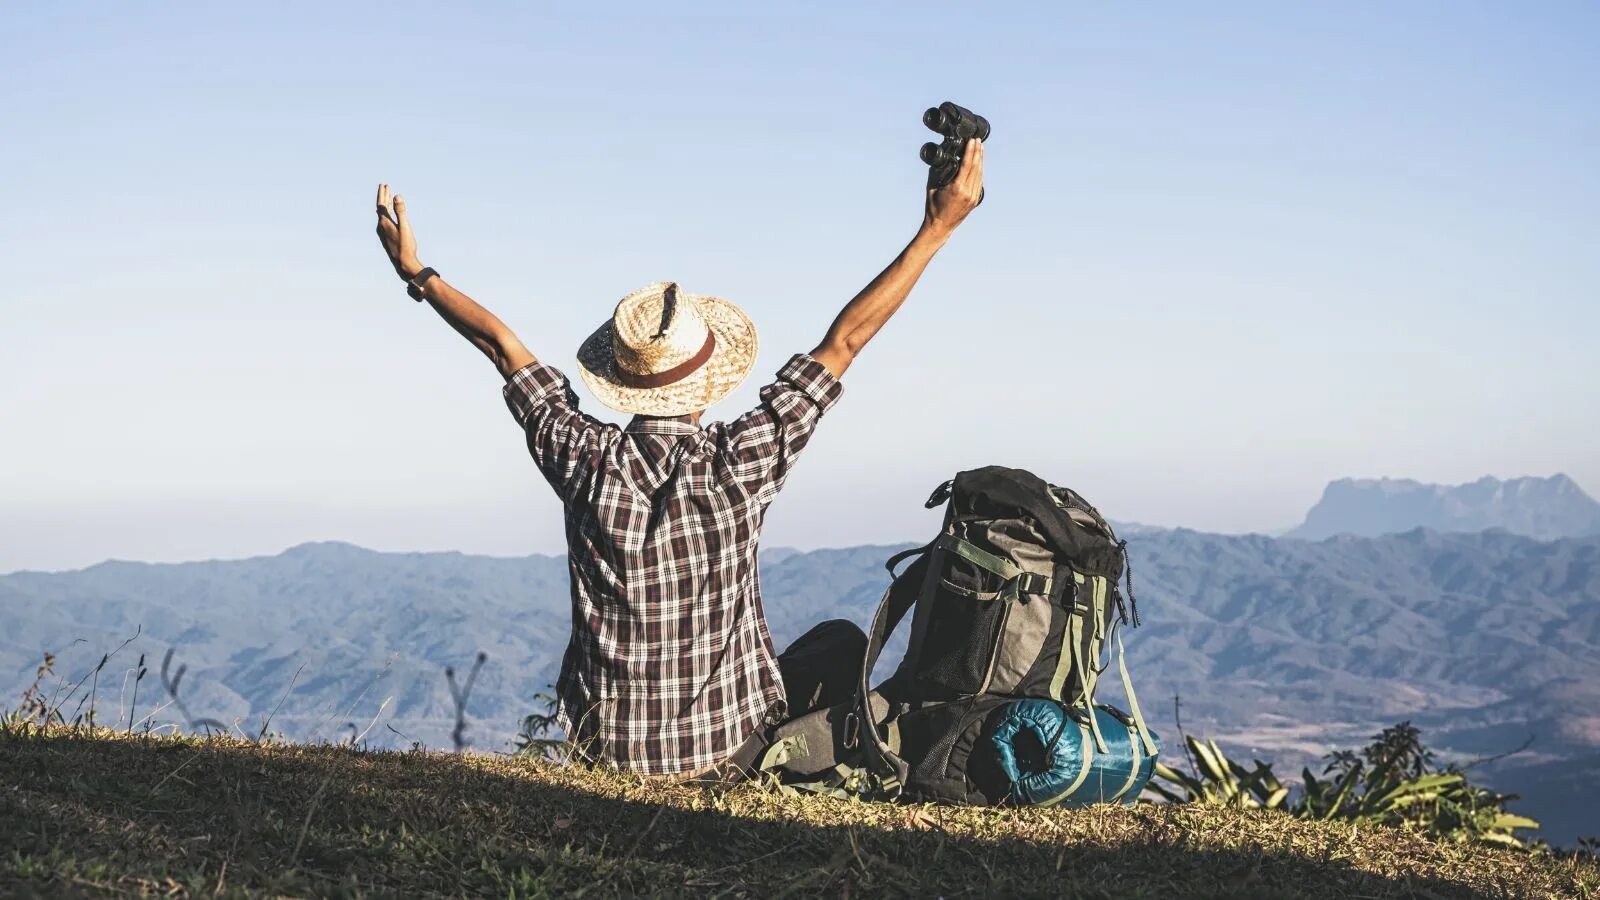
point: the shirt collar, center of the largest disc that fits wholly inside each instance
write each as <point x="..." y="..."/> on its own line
<point x="644" y="425"/>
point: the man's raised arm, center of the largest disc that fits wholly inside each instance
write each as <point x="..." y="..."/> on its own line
<point x="476" y="324"/>
<point x="864" y="315"/>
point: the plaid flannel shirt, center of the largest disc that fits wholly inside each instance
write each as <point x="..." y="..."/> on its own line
<point x="670" y="666"/>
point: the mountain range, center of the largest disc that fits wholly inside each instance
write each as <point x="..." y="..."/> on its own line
<point x="1282" y="649"/>
<point x="1547" y="508"/>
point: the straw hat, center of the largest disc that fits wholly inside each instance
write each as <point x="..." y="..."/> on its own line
<point x="667" y="352"/>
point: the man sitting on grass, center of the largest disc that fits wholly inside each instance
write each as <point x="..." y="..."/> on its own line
<point x="670" y="670"/>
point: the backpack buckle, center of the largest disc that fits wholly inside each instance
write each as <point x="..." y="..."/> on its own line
<point x="1025" y="583"/>
<point x="852" y="731"/>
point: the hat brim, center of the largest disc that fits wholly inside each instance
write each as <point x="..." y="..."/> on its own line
<point x="729" y="365"/>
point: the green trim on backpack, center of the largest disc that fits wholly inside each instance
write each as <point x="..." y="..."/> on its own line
<point x="978" y="556"/>
<point x="1088" y="677"/>
<point x="1133" y="701"/>
<point x="995" y="565"/>
<point x="841" y="782"/>
<point x="1133" y="771"/>
<point x="1099" y="618"/>
<point x="1083" y="770"/>
<point x="1064" y="661"/>
<point x="782" y="752"/>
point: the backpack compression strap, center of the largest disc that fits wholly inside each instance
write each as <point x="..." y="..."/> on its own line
<point x="1133" y="702"/>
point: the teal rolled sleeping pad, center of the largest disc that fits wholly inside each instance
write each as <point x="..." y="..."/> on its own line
<point x="1050" y="758"/>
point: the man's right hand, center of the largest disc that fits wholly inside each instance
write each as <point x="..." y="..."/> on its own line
<point x="949" y="205"/>
<point x="394" y="233"/>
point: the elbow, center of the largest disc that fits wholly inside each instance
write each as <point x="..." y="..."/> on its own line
<point x="498" y="357"/>
<point x="508" y="355"/>
<point x="847" y="345"/>
<point x="836" y="354"/>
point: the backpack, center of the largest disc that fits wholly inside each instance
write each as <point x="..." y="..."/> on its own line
<point x="1013" y="605"/>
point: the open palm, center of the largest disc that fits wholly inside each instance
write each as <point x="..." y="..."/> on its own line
<point x="394" y="233"/>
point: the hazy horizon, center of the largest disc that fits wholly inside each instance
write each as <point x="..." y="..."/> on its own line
<point x="243" y="551"/>
<point x="1228" y="255"/>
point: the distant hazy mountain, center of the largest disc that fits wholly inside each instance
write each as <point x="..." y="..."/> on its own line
<point x="1282" y="649"/>
<point x="1129" y="529"/>
<point x="1544" y="508"/>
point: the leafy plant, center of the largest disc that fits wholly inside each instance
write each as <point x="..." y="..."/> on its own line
<point x="539" y="735"/>
<point x="1394" y="781"/>
<point x="1220" y="781"/>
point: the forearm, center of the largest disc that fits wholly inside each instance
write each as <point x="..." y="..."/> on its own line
<point x="867" y="312"/>
<point x="478" y="325"/>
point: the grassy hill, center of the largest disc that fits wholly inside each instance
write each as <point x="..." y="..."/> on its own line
<point x="107" y="814"/>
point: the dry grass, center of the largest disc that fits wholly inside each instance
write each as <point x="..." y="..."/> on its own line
<point x="111" y="814"/>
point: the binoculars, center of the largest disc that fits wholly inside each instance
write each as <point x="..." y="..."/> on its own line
<point x="957" y="124"/>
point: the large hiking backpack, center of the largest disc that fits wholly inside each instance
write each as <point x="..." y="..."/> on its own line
<point x="1016" y="603"/>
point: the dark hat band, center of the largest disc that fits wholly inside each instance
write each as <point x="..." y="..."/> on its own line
<point x="676" y="373"/>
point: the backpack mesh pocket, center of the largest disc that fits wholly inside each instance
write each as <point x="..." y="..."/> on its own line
<point x="966" y="617"/>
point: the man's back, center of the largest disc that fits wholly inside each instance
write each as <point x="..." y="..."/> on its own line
<point x="670" y="666"/>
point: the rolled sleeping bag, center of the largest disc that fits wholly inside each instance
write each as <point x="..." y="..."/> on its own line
<point x="1049" y="757"/>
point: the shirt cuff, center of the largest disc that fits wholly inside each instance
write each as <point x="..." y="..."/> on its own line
<point x="532" y="386"/>
<point x="813" y="379"/>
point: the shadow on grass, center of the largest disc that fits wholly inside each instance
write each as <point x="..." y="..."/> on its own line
<point x="140" y="816"/>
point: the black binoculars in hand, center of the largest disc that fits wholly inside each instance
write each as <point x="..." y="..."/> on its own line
<point x="957" y="124"/>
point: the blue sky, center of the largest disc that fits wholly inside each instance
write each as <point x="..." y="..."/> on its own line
<point x="1229" y="252"/>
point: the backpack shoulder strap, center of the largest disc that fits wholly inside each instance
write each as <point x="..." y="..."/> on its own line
<point x="859" y="725"/>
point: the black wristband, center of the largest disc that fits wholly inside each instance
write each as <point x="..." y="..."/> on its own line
<point x="414" y="283"/>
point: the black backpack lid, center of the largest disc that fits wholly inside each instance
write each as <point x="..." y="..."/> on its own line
<point x="997" y="491"/>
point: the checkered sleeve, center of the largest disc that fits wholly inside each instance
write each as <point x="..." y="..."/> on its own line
<point x="565" y="443"/>
<point x="759" y="448"/>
